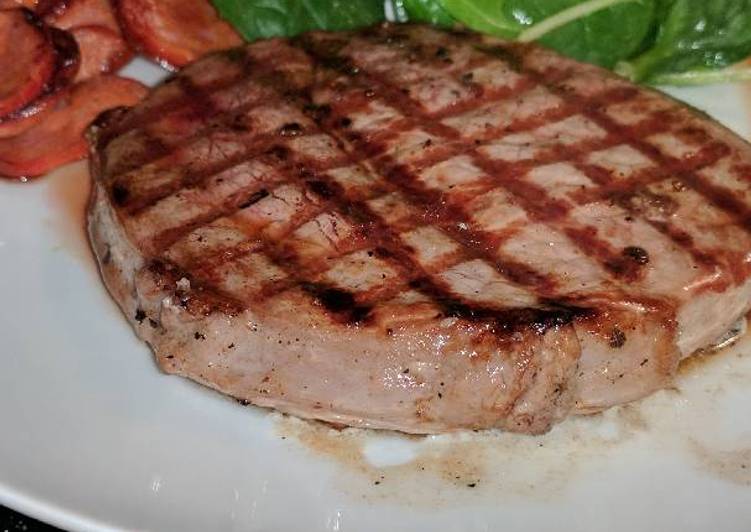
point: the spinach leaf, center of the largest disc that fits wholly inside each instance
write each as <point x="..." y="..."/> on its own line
<point x="598" y="31"/>
<point x="674" y="41"/>
<point x="430" y="11"/>
<point x="694" y="35"/>
<point x="611" y="33"/>
<point x="256" y="19"/>
<point x="487" y="16"/>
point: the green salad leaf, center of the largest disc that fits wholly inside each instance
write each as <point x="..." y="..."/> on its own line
<point x="657" y="41"/>
<point x="429" y="11"/>
<point x="597" y="31"/>
<point x="693" y="36"/>
<point x="601" y="32"/>
<point x="256" y="19"/>
<point x="487" y="16"/>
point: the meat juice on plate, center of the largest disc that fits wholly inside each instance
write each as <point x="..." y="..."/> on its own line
<point x="68" y="192"/>
<point x="435" y="471"/>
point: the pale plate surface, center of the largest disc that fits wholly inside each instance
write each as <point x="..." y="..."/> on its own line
<point x="94" y="437"/>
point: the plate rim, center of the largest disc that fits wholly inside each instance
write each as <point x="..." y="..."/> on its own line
<point x="50" y="513"/>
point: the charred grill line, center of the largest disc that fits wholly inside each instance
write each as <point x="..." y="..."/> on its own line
<point x="668" y="166"/>
<point x="256" y="147"/>
<point x="162" y="150"/>
<point x="389" y="247"/>
<point x="201" y="298"/>
<point x="355" y="309"/>
<point x="477" y="243"/>
<point x="684" y="169"/>
<point x="137" y="121"/>
<point x="204" y="107"/>
<point x="197" y="99"/>
<point x="619" y="135"/>
<point x="175" y="234"/>
<point x="262" y="71"/>
<point x="517" y="168"/>
<point x="397" y="176"/>
<point x="622" y="197"/>
<point x="534" y="199"/>
<point x="400" y="257"/>
<point x="297" y="275"/>
<point x="201" y="105"/>
<point x="610" y="189"/>
<point x="241" y="200"/>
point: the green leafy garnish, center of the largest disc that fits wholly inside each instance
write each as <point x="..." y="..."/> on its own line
<point x="694" y="36"/>
<point x="256" y="19"/>
<point x="597" y="31"/>
<point x="655" y="41"/>
<point x="487" y="16"/>
<point x="428" y="11"/>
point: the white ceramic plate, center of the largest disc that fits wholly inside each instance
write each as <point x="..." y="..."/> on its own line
<point x="94" y="437"/>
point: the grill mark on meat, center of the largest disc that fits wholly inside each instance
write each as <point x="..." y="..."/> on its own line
<point x="299" y="273"/>
<point x="200" y="298"/>
<point x="254" y="198"/>
<point x="195" y="177"/>
<point x="400" y="257"/>
<point x="623" y="197"/>
<point x="583" y="238"/>
<point x="455" y="222"/>
<point x="197" y="99"/>
<point x="398" y="176"/>
<point x="139" y="120"/>
<point x="614" y="260"/>
<point x="338" y="301"/>
<point x="683" y="169"/>
<point x="246" y="198"/>
<point x="620" y="193"/>
<point x="241" y="200"/>
<point x="534" y="198"/>
<point x="201" y="107"/>
<point x="229" y="120"/>
<point x="190" y="94"/>
<point x="354" y="309"/>
<point x="256" y="144"/>
<point x="517" y="273"/>
<point x="451" y="217"/>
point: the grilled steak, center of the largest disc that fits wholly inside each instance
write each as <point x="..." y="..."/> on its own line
<point x="420" y="230"/>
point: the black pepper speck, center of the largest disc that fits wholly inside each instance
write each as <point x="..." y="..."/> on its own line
<point x="291" y="129"/>
<point x="637" y="254"/>
<point x="617" y="338"/>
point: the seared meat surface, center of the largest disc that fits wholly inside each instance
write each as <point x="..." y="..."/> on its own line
<point x="420" y="230"/>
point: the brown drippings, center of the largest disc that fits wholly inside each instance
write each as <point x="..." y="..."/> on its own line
<point x="694" y="363"/>
<point x="452" y="469"/>
<point x="697" y="361"/>
<point x="470" y="465"/>
<point x="68" y="190"/>
<point x="732" y="465"/>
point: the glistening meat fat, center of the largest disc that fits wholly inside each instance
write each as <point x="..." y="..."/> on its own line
<point x="420" y="230"/>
